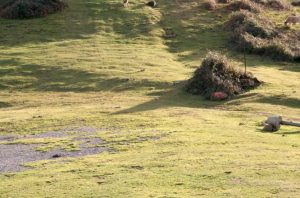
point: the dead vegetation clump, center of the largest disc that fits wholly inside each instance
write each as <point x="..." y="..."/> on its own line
<point x="210" y="4"/>
<point x="217" y="75"/>
<point x="253" y="24"/>
<point x="24" y="9"/>
<point x="274" y="4"/>
<point x="258" y="35"/>
<point x="244" y="5"/>
<point x="275" y="48"/>
<point x="296" y="3"/>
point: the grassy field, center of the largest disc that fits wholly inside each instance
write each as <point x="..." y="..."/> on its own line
<point x="100" y="65"/>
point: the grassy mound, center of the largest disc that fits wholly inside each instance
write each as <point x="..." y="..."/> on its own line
<point x="210" y="4"/>
<point x="260" y="36"/>
<point x="253" y="24"/>
<point x="274" y="4"/>
<point x="24" y="9"/>
<point x="216" y="74"/>
<point x="244" y="5"/>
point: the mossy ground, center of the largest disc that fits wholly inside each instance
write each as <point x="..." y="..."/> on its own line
<point x="101" y="65"/>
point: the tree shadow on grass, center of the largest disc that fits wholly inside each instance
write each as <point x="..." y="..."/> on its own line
<point x="177" y="97"/>
<point x="60" y="79"/>
<point x="4" y="105"/>
<point x="289" y="133"/>
<point x="197" y="30"/>
<point x="81" y="20"/>
<point x="280" y="100"/>
<point x="173" y="97"/>
<point x="76" y="22"/>
<point x="129" y="22"/>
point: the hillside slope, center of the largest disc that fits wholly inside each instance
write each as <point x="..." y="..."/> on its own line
<point x="110" y="68"/>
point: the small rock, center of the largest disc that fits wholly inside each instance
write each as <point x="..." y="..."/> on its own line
<point x="56" y="155"/>
<point x="152" y="4"/>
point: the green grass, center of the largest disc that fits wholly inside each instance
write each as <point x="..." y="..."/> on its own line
<point x="101" y="65"/>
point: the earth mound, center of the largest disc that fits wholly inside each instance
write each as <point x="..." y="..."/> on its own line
<point x="260" y="36"/>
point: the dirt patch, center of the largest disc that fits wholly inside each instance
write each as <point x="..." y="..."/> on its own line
<point x="14" y="156"/>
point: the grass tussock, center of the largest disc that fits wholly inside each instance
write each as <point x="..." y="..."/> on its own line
<point x="296" y="3"/>
<point x="24" y="9"/>
<point x="217" y="74"/>
<point x="253" y="24"/>
<point x="259" y="36"/>
<point x="244" y="5"/>
<point x="210" y="4"/>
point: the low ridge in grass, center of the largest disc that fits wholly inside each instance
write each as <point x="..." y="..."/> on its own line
<point x="217" y="74"/>
<point x="24" y="9"/>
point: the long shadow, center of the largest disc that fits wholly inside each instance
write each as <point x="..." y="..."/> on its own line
<point x="4" y="105"/>
<point x="290" y="133"/>
<point x="53" y="78"/>
<point x="173" y="97"/>
<point x="177" y="97"/>
<point x="197" y="30"/>
<point x="280" y="100"/>
<point x="129" y="22"/>
<point x="75" y="22"/>
<point x="81" y="20"/>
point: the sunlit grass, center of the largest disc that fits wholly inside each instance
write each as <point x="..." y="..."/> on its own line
<point x="101" y="65"/>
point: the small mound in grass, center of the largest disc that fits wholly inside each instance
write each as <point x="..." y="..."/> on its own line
<point x="244" y="5"/>
<point x="25" y="9"/>
<point x="217" y="75"/>
<point x="210" y="4"/>
<point x="260" y="36"/>
<point x="251" y="23"/>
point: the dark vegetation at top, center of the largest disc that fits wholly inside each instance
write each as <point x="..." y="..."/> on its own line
<point x="296" y="3"/>
<point x="25" y="9"/>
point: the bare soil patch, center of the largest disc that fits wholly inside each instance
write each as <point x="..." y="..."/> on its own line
<point x="14" y="156"/>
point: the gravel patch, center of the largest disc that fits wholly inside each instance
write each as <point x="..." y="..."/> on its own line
<point x="14" y="156"/>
